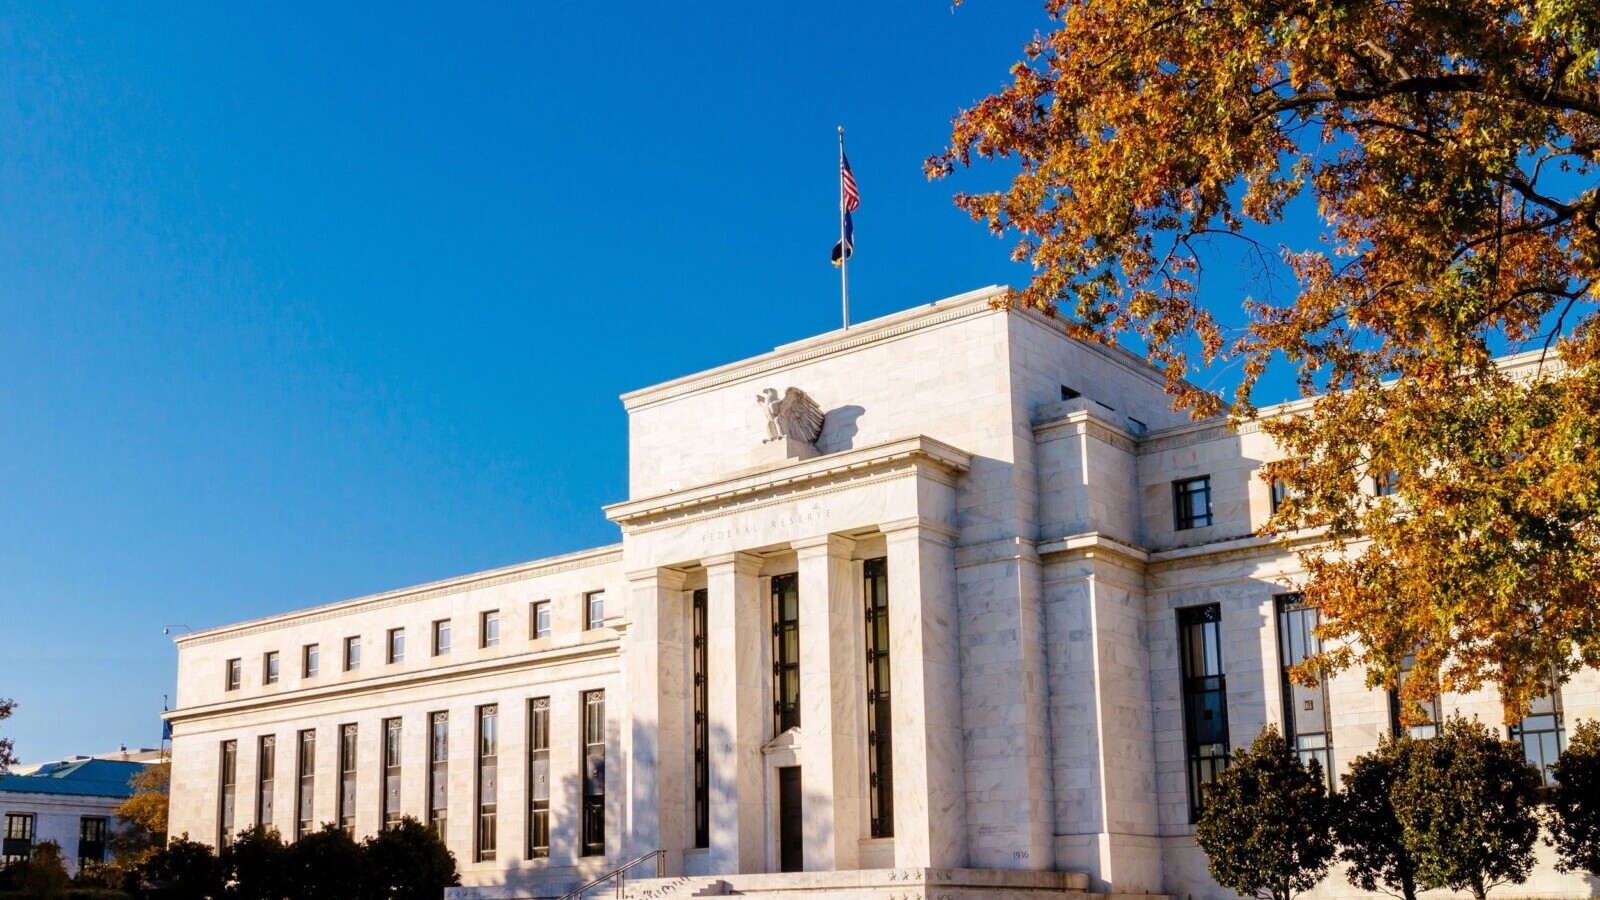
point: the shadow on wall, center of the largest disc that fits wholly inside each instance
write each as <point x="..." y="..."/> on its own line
<point x="839" y="429"/>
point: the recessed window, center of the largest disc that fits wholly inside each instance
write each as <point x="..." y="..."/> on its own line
<point x="592" y="824"/>
<point x="93" y="832"/>
<point x="594" y="609"/>
<point x="235" y="673"/>
<point x="397" y="645"/>
<point x="1191" y="498"/>
<point x="1307" y="725"/>
<point x="305" y="788"/>
<point x="441" y="637"/>
<point x="489" y="629"/>
<point x="347" y="779"/>
<point x="438" y="771"/>
<point x="228" y="775"/>
<point x="488" y="780"/>
<point x="1205" y="698"/>
<point x="1542" y="733"/>
<point x="539" y="778"/>
<point x="1280" y="494"/>
<point x="18" y="844"/>
<point x="1386" y="484"/>
<point x="266" y="775"/>
<point x="352" y="654"/>
<point x="391" y="772"/>
<point x="785" y="653"/>
<point x="269" y="668"/>
<point x="539" y="615"/>
<point x="309" y="660"/>
<point x="1425" y="728"/>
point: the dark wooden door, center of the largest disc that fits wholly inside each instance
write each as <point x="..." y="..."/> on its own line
<point x="789" y="820"/>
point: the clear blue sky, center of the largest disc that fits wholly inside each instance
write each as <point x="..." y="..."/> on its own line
<point x="300" y="304"/>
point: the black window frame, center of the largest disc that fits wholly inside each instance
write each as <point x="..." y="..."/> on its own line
<point x="310" y="660"/>
<point x="538" y="778"/>
<point x="785" y="653"/>
<point x="352" y="653"/>
<point x="594" y="610"/>
<point x="271" y="667"/>
<point x="488" y="636"/>
<point x="486" y="837"/>
<point x="1552" y="723"/>
<point x="233" y="674"/>
<point x="305" y="801"/>
<point x="1204" y="759"/>
<point x="439" y="772"/>
<point x="1429" y="729"/>
<point x="391" y="809"/>
<point x="592" y="830"/>
<point x="266" y="777"/>
<point x="1183" y="490"/>
<point x="395" y="646"/>
<point x="537" y="610"/>
<point x="94" y="837"/>
<point x="349" y="737"/>
<point x="441" y="637"/>
<point x="16" y="842"/>
<point x="227" y="791"/>
<point x="880" y="729"/>
<point x="699" y="665"/>
<point x="1296" y="623"/>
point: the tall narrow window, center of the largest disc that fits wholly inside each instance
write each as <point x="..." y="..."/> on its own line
<point x="347" y="779"/>
<point x="269" y="668"/>
<point x="702" y="721"/>
<point x="488" y="783"/>
<point x="1205" y="701"/>
<point x="441" y="637"/>
<point x="235" y="673"/>
<point x="228" y="777"/>
<point x="539" y="617"/>
<point x="1386" y="484"/>
<point x="880" y="748"/>
<point x="18" y="841"/>
<point x="1305" y="709"/>
<point x="391" y="772"/>
<point x="489" y="629"/>
<point x="309" y="660"/>
<point x="594" y="609"/>
<point x="92" y="834"/>
<point x="785" y="652"/>
<point x="1280" y="494"/>
<point x="266" y="772"/>
<point x="1191" y="499"/>
<point x="352" y="653"/>
<point x="539" y="778"/>
<point x="438" y="771"/>
<point x="305" y="817"/>
<point x="1428" y="726"/>
<point x="1542" y="733"/>
<point x="594" y="773"/>
<point x="397" y="645"/>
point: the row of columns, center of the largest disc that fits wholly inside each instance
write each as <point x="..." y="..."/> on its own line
<point x="925" y="705"/>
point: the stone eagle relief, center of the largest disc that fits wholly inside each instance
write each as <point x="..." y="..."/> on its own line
<point x="796" y="417"/>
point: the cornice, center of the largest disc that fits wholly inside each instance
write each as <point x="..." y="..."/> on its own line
<point x="813" y="476"/>
<point x="1092" y="543"/>
<point x="596" y="649"/>
<point x="838" y="341"/>
<point x="1085" y="421"/>
<point x="582" y="559"/>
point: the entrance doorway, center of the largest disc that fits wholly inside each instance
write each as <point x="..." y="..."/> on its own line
<point x="790" y="823"/>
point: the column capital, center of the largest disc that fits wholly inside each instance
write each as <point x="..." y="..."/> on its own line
<point x="824" y="545"/>
<point x="671" y="579"/>
<point x="742" y="563"/>
<point x="913" y="527"/>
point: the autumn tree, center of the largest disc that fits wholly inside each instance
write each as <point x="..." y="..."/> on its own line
<point x="1573" y="814"/>
<point x="1266" y="825"/>
<point x="7" y="756"/>
<point x="1420" y="177"/>
<point x="146" y="812"/>
<point x="1466" y="803"/>
<point x="1371" y="840"/>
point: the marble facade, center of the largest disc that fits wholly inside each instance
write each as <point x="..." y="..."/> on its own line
<point x="1017" y="487"/>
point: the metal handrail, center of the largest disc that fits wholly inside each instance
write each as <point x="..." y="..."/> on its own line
<point x="617" y="873"/>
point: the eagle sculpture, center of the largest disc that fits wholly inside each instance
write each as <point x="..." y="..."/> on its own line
<point x="796" y="416"/>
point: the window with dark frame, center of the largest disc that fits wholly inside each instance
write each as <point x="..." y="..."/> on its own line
<point x="309" y="661"/>
<point x="785" y="653"/>
<point x="1542" y="733"/>
<point x="1425" y="729"/>
<point x="539" y="778"/>
<point x="266" y="773"/>
<point x="489" y="628"/>
<point x="352" y="654"/>
<point x="17" y="844"/>
<point x="347" y="779"/>
<point x="702" y="721"/>
<point x="305" y="819"/>
<point x="397" y="645"/>
<point x="438" y="771"/>
<point x="269" y="667"/>
<point x="880" y="744"/>
<point x="441" y="637"/>
<point x="1306" y="720"/>
<point x="594" y="610"/>
<point x="1205" y="699"/>
<point x="1280" y="494"/>
<point x="227" y="777"/>
<point x="1386" y="484"/>
<point x="593" y="826"/>
<point x="93" y="832"/>
<point x="1191" y="501"/>
<point x="488" y="781"/>
<point x="539" y="619"/>
<point x="392" y="734"/>
<point x="235" y="674"/>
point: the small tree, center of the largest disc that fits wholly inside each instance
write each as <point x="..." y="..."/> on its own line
<point x="1466" y="806"/>
<point x="1574" y="811"/>
<point x="184" y="870"/>
<point x="145" y="810"/>
<point x="42" y="875"/>
<point x="1371" y="841"/>
<point x="406" y="862"/>
<point x="255" y="865"/>
<point x="1266" y="827"/>
<point x="325" y="863"/>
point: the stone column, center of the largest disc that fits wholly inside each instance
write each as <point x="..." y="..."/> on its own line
<point x="736" y="629"/>
<point x="832" y="683"/>
<point x="657" y="692"/>
<point x="925" y="687"/>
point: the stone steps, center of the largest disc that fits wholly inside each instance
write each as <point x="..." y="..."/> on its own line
<point x="873" y="884"/>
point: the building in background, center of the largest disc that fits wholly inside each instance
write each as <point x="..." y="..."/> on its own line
<point x="945" y="604"/>
<point x="71" y="801"/>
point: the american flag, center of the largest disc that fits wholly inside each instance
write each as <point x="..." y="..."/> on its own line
<point x="847" y="183"/>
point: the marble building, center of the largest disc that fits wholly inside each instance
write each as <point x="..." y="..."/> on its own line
<point x="942" y="605"/>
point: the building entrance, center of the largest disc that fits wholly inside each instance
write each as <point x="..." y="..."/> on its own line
<point x="789" y="820"/>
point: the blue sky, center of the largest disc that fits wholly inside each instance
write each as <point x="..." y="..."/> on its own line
<point x="300" y="303"/>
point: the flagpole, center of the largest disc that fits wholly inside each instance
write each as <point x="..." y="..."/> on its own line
<point x="844" y="248"/>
